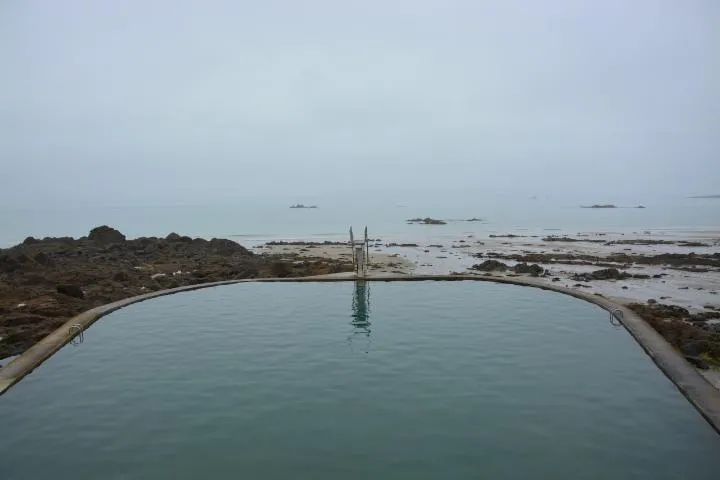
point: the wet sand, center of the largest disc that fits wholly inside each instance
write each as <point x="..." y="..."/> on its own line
<point x="694" y="290"/>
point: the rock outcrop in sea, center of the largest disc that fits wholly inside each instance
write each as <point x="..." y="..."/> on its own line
<point x="427" y="221"/>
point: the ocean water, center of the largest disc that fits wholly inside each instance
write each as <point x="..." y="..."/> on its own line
<point x="256" y="220"/>
<point x="404" y="380"/>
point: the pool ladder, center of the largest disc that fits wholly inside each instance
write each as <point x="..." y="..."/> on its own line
<point x="77" y="333"/>
<point x="616" y="317"/>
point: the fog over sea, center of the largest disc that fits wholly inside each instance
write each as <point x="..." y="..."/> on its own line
<point x="254" y="220"/>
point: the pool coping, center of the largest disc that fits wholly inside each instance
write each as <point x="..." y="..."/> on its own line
<point x="701" y="394"/>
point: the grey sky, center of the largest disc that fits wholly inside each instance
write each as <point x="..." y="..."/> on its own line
<point x="165" y="99"/>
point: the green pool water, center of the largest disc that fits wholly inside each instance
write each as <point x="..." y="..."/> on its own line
<point x="330" y="380"/>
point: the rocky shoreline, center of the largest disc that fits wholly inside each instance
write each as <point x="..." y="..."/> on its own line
<point x="44" y="282"/>
<point x="673" y="283"/>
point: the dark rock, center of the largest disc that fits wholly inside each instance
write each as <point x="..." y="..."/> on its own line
<point x="22" y="258"/>
<point x="30" y="241"/>
<point x="70" y="290"/>
<point x="691" y="338"/>
<point x="704" y="316"/>
<point x="693" y="244"/>
<point x="624" y="287"/>
<point x="223" y="246"/>
<point x="640" y="276"/>
<point x="490" y="266"/>
<point x="554" y="238"/>
<point x="672" y="259"/>
<point x="534" y="269"/>
<point x="640" y="241"/>
<point x="693" y="269"/>
<point x="121" y="277"/>
<point x="714" y="328"/>
<point x="652" y="301"/>
<point x="675" y="311"/>
<point x="105" y="235"/>
<point x="42" y="258"/>
<point x="174" y="237"/>
<point x="427" y="221"/>
<point x="33" y="279"/>
<point x="697" y="362"/>
<point x="604" y="274"/>
<point x="8" y="264"/>
<point x="280" y="269"/>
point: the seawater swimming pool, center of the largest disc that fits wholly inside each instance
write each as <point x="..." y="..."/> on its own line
<point x="332" y="380"/>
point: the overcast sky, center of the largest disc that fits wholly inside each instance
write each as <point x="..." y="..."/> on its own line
<point x="162" y="100"/>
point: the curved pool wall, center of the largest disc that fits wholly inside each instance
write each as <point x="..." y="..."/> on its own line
<point x="394" y="380"/>
<point x="703" y="396"/>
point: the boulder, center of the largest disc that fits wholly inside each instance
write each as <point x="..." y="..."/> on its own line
<point x="42" y="258"/>
<point x="490" y="266"/>
<point x="280" y="269"/>
<point x="105" y="235"/>
<point x="70" y="290"/>
<point x="174" y="237"/>
<point x="33" y="279"/>
<point x="535" y="270"/>
<point x="697" y="362"/>
<point x="603" y="274"/>
<point x="427" y="221"/>
<point x="120" y="277"/>
<point x="223" y="246"/>
<point x="8" y="264"/>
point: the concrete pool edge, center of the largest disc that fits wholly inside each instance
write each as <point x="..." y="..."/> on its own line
<point x="701" y="394"/>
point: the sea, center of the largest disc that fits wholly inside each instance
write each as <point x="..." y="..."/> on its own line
<point x="255" y="220"/>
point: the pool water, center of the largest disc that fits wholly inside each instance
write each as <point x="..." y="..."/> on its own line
<point x="332" y="380"/>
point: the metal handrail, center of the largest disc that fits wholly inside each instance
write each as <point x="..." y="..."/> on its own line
<point x="77" y="333"/>
<point x="616" y="317"/>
